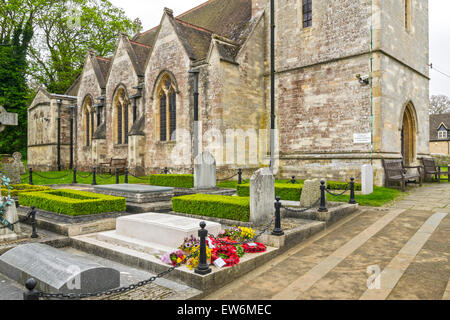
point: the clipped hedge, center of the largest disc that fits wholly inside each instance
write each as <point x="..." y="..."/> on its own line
<point x="72" y="202"/>
<point x="334" y="185"/>
<point x="224" y="207"/>
<point x="172" y="180"/>
<point x="23" y="188"/>
<point x="285" y="191"/>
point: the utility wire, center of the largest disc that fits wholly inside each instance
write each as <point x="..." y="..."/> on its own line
<point x="432" y="67"/>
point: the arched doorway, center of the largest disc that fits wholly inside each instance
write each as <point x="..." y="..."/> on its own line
<point x="408" y="136"/>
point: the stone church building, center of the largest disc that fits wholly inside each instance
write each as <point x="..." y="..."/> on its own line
<point x="344" y="69"/>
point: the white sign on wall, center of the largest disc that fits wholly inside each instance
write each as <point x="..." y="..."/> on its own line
<point x="362" y="138"/>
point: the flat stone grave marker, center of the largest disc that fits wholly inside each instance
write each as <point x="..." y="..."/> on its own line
<point x="262" y="196"/>
<point x="163" y="232"/>
<point x="205" y="171"/>
<point x="57" y="271"/>
<point x="137" y="193"/>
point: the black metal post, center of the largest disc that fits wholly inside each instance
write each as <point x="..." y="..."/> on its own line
<point x="293" y="181"/>
<point x="240" y="176"/>
<point x="30" y="177"/>
<point x="166" y="171"/>
<point x="32" y="216"/>
<point x="31" y="294"/>
<point x="72" y="111"/>
<point x="58" y="149"/>
<point x="117" y="176"/>
<point x="272" y="84"/>
<point x="94" y="177"/>
<point x="126" y="175"/>
<point x="74" y="181"/>
<point x="278" y="231"/>
<point x="203" y="267"/>
<point x="323" y="200"/>
<point x="352" y="191"/>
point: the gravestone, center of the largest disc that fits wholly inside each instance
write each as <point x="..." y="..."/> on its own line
<point x="205" y="171"/>
<point x="11" y="216"/>
<point x="7" y="119"/>
<point x="159" y="231"/>
<point x="310" y="193"/>
<point x="11" y="171"/>
<point x="262" y="196"/>
<point x="367" y="179"/>
<point x="17" y="156"/>
<point x="57" y="271"/>
<point x="137" y="193"/>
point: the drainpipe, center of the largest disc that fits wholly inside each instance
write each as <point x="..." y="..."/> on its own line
<point x="196" y="124"/>
<point x="272" y="84"/>
<point x="59" y="102"/>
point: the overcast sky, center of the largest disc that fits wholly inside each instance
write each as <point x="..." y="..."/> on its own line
<point x="150" y="13"/>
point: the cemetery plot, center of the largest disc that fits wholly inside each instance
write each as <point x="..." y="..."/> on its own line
<point x="72" y="202"/>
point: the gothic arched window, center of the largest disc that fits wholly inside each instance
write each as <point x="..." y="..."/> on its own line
<point x="167" y="109"/>
<point x="89" y="120"/>
<point x="121" y="116"/>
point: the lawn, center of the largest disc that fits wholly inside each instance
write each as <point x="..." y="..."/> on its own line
<point x="66" y="177"/>
<point x="378" y="198"/>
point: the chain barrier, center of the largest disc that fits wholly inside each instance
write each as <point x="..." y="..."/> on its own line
<point x="338" y="194"/>
<point x="84" y="177"/>
<point x="301" y="210"/>
<point x="73" y="296"/>
<point x="144" y="178"/>
<point x="25" y="178"/>
<point x="245" y="241"/>
<point x="57" y="178"/>
<point x="105" y="178"/>
<point x="220" y="180"/>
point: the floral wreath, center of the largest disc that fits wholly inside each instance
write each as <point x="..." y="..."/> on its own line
<point x="254" y="249"/>
<point x="227" y="253"/>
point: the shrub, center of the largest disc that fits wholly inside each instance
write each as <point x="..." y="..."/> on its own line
<point x="285" y="191"/>
<point x="23" y="188"/>
<point x="225" y="207"/>
<point x="172" y="180"/>
<point x="72" y="202"/>
<point x="334" y="185"/>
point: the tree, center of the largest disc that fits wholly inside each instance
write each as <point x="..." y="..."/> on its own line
<point x="16" y="32"/>
<point x="439" y="104"/>
<point x="64" y="34"/>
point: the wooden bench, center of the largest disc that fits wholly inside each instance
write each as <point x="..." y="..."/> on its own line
<point x="430" y="168"/>
<point x="112" y="165"/>
<point x="395" y="171"/>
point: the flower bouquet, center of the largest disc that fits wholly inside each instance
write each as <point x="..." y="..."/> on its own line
<point x="189" y="244"/>
<point x="227" y="252"/>
<point x="256" y="247"/>
<point x="174" y="258"/>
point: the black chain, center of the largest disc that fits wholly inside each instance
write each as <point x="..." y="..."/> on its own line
<point x="57" y="178"/>
<point x="84" y="177"/>
<point x="144" y="178"/>
<point x="228" y="178"/>
<point x="245" y="241"/>
<point x="120" y="290"/>
<point x="338" y="194"/>
<point x="105" y="178"/>
<point x="301" y="210"/>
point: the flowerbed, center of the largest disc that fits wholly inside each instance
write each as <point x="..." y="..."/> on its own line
<point x="223" y="251"/>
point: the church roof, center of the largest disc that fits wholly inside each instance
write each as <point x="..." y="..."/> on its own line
<point x="195" y="39"/>
<point x="223" y="17"/>
<point x="436" y="121"/>
<point x="141" y="51"/>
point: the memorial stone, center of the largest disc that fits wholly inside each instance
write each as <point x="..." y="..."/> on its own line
<point x="262" y="196"/>
<point x="310" y="193"/>
<point x="367" y="179"/>
<point x="205" y="171"/>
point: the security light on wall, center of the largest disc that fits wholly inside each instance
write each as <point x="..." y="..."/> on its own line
<point x="363" y="80"/>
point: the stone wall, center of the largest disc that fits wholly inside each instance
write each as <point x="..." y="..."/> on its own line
<point x="440" y="147"/>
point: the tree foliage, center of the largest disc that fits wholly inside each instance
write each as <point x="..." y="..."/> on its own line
<point x="64" y="33"/>
<point x="439" y="104"/>
<point x="16" y="32"/>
